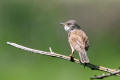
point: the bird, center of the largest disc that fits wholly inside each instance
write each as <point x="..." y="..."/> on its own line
<point x="77" y="39"/>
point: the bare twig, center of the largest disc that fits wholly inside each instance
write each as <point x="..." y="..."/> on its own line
<point x="106" y="75"/>
<point x="51" y="50"/>
<point x="89" y="65"/>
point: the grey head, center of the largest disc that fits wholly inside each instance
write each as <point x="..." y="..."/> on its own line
<point x="70" y="25"/>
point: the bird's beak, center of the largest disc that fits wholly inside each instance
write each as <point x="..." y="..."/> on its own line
<point x="62" y="24"/>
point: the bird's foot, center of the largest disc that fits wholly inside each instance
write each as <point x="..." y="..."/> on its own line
<point x="71" y="58"/>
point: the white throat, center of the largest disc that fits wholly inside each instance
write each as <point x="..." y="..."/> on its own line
<point x="66" y="28"/>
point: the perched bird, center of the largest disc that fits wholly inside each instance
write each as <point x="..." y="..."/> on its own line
<point x="77" y="39"/>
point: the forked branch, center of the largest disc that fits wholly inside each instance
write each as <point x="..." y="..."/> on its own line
<point x="53" y="54"/>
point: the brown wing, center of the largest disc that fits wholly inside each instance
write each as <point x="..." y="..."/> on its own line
<point x="78" y="40"/>
<point x="86" y="44"/>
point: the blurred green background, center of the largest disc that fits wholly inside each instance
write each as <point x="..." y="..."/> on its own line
<point x="35" y="24"/>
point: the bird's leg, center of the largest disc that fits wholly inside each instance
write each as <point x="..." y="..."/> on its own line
<point x="71" y="57"/>
<point x="71" y="54"/>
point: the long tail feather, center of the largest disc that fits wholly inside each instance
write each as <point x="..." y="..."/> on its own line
<point x="83" y="56"/>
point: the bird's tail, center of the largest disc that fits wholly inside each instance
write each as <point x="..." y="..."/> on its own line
<point x="83" y="56"/>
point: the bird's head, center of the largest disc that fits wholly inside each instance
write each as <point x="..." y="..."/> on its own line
<point x="70" y="25"/>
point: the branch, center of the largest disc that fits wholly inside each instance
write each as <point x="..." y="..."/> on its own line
<point x="106" y="75"/>
<point x="51" y="53"/>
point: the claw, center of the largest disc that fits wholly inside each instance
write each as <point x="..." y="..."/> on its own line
<point x="71" y="58"/>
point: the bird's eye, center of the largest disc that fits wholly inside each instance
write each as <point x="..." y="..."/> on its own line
<point x="68" y="23"/>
